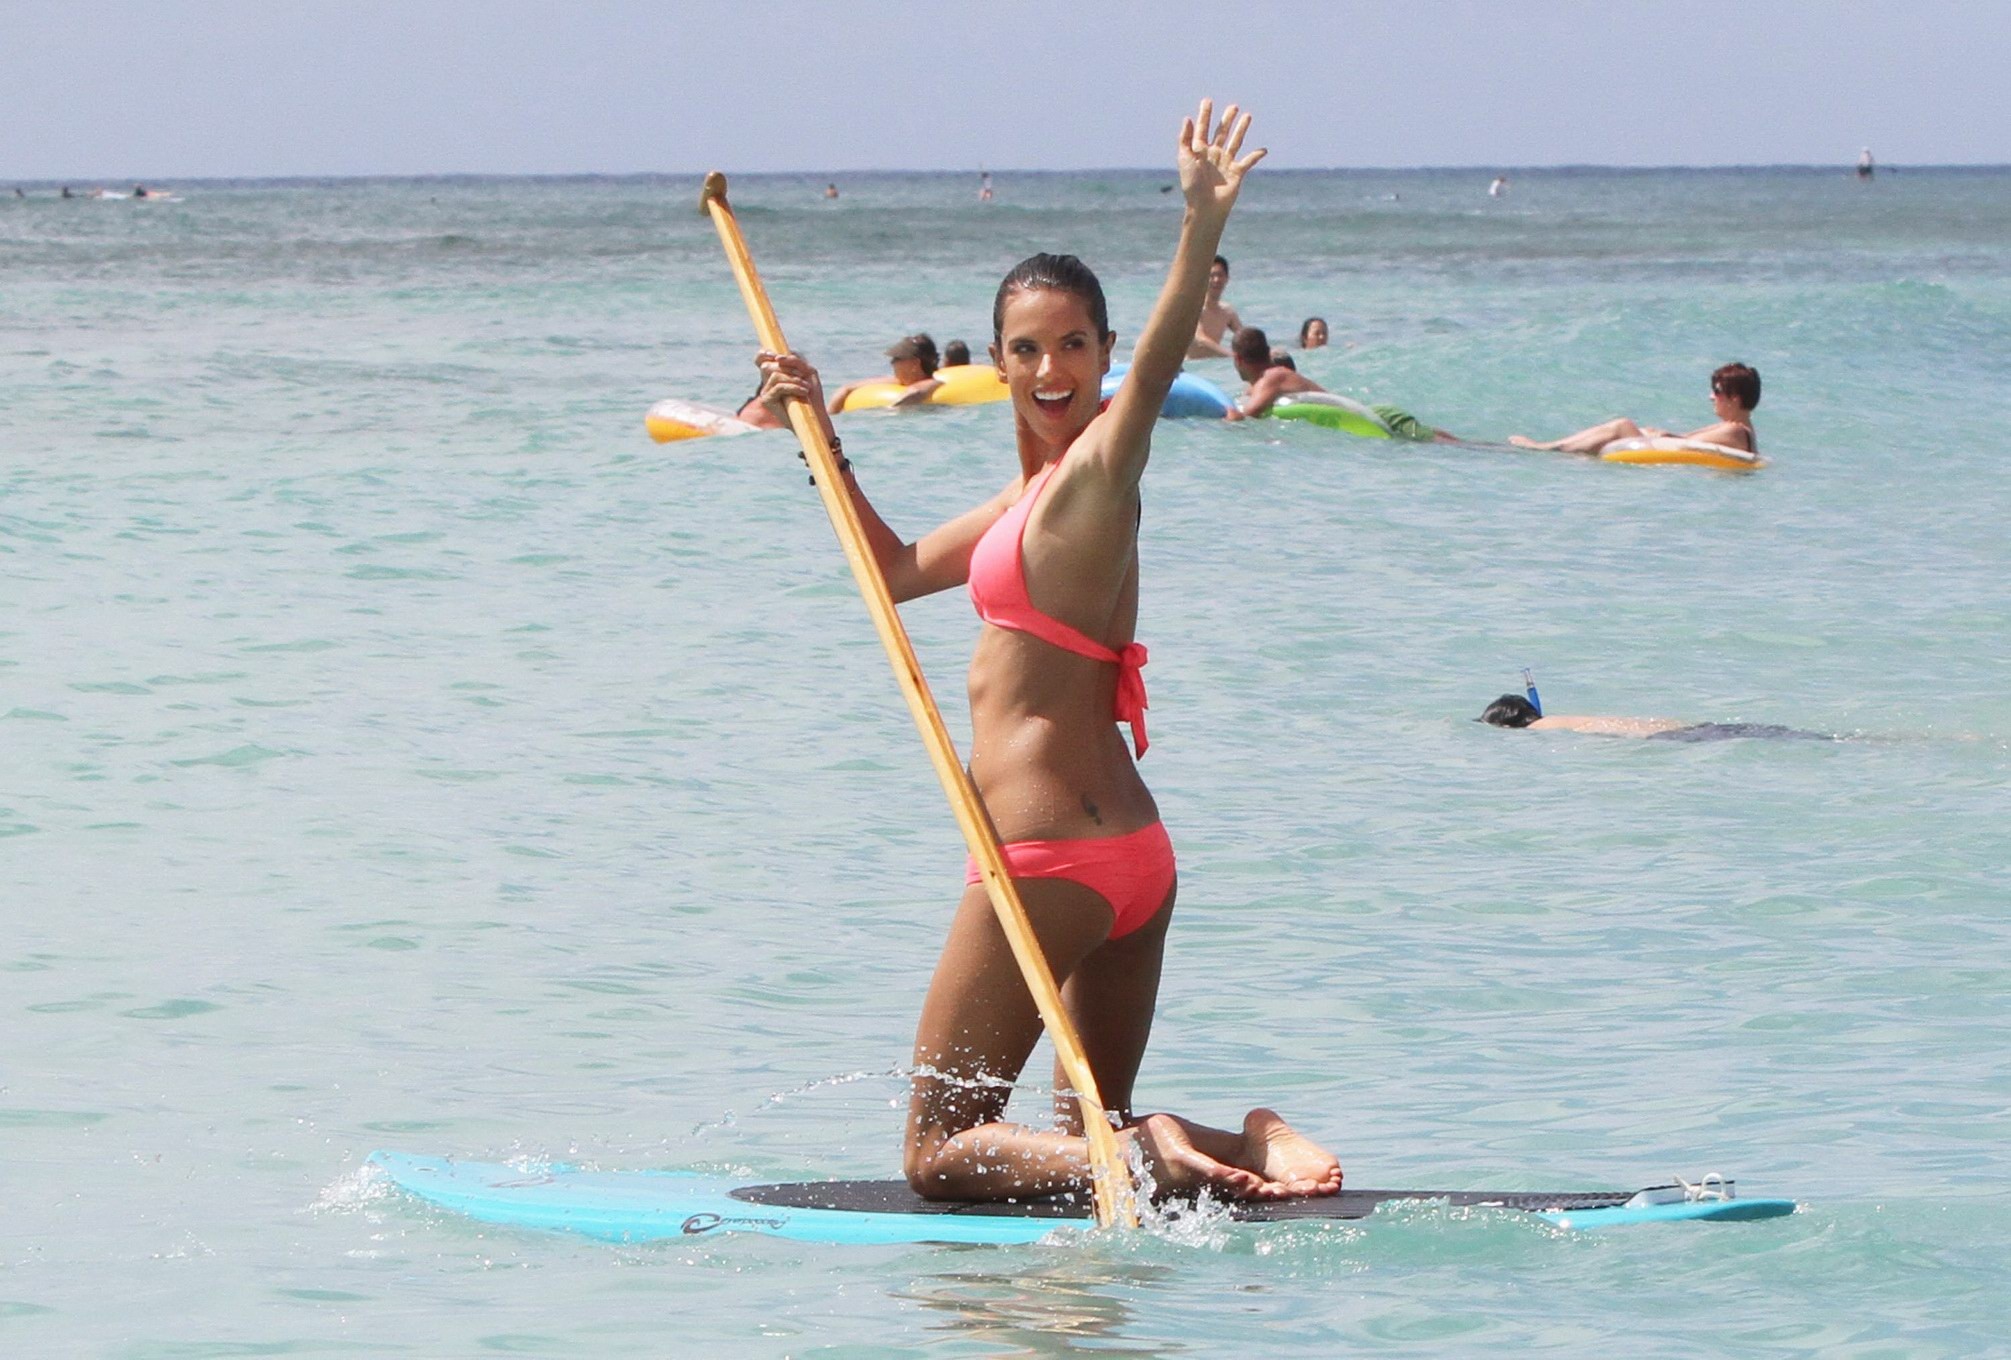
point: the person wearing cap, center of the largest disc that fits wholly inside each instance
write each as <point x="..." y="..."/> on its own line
<point x="915" y="362"/>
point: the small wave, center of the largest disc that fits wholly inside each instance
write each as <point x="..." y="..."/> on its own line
<point x="353" y="1190"/>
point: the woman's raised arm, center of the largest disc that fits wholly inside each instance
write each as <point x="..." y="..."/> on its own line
<point x="1211" y="175"/>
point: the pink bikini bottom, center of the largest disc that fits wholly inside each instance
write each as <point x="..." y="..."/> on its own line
<point x="1133" y="873"/>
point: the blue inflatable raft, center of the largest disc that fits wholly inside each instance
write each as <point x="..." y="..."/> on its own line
<point x="1190" y="398"/>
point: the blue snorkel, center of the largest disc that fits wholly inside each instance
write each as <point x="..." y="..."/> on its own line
<point x="1529" y="689"/>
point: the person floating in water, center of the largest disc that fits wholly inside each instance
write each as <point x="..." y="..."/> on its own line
<point x="1218" y="318"/>
<point x="1268" y="379"/>
<point x="830" y="191"/>
<point x="1272" y="375"/>
<point x="1735" y="391"/>
<point x="1865" y="168"/>
<point x="956" y="354"/>
<point x="1313" y="333"/>
<point x="984" y="186"/>
<point x="1515" y="710"/>
<point x="915" y="363"/>
<point x="1499" y="188"/>
<point x="1052" y="565"/>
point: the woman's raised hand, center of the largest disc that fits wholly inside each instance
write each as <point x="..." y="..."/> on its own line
<point x="1210" y="173"/>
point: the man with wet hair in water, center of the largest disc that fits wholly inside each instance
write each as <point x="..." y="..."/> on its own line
<point x="1268" y="379"/>
<point x="1218" y="318"/>
<point x="1272" y="374"/>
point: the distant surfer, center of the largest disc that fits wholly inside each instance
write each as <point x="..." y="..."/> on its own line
<point x="1218" y="319"/>
<point x="915" y="363"/>
<point x="1865" y="167"/>
<point x="1735" y="391"/>
<point x="1514" y="710"/>
<point x="1052" y="566"/>
<point x="1271" y="375"/>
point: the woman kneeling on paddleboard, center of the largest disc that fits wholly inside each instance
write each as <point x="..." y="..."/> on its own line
<point x="1052" y="565"/>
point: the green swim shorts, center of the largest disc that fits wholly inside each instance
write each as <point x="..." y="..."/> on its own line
<point x="1403" y="424"/>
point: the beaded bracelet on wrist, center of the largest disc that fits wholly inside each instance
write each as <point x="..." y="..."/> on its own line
<point x="838" y="453"/>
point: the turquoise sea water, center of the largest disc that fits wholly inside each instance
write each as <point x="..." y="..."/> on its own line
<point x="397" y="749"/>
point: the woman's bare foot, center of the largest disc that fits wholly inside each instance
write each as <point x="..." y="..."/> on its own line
<point x="1269" y="1159"/>
<point x="1291" y="1164"/>
<point x="1178" y="1167"/>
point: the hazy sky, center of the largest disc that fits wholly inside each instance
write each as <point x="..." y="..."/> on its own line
<point x="119" y="89"/>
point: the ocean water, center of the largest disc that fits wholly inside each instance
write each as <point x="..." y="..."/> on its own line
<point x="397" y="749"/>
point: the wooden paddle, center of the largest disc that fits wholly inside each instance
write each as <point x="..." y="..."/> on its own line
<point x="1116" y="1200"/>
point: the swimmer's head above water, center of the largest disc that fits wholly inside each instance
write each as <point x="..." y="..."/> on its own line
<point x="1740" y="382"/>
<point x="1251" y="351"/>
<point x="914" y="357"/>
<point x="1510" y="710"/>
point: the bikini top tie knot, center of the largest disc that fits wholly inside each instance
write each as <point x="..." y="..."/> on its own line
<point x="1131" y="692"/>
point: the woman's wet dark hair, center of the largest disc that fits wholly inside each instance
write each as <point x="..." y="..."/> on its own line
<point x="1052" y="273"/>
<point x="1510" y="710"/>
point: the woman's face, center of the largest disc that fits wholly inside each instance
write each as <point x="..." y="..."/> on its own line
<point x="1052" y="358"/>
<point x="1316" y="335"/>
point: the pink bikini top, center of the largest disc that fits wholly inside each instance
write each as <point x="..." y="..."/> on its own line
<point x="998" y="590"/>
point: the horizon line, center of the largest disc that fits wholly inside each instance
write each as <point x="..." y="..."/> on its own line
<point x="1844" y="167"/>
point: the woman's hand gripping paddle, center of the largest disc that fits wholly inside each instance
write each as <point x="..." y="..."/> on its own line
<point x="1116" y="1200"/>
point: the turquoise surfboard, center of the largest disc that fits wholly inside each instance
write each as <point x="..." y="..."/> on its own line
<point x="643" y="1206"/>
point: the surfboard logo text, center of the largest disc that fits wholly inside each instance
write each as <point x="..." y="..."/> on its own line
<point x="705" y="1223"/>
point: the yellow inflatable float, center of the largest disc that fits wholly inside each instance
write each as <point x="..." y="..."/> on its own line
<point x="1681" y="453"/>
<point x="672" y="419"/>
<point x="962" y="385"/>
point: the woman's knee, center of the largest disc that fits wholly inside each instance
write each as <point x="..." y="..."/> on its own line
<point x="921" y="1164"/>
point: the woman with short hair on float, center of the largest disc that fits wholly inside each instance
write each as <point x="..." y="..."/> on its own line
<point x="1052" y="566"/>
<point x="1735" y="391"/>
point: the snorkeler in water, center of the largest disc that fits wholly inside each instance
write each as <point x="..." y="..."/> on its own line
<point x="1525" y="710"/>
